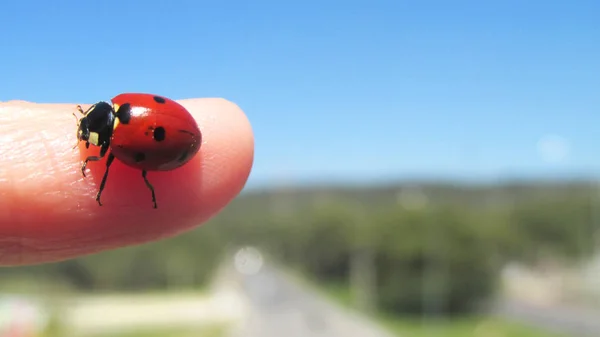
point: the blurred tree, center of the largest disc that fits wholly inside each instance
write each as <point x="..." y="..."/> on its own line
<point x="434" y="260"/>
<point x="560" y="227"/>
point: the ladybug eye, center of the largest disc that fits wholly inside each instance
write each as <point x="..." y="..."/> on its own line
<point x="159" y="134"/>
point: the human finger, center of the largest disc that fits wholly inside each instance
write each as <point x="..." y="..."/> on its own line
<point x="48" y="210"/>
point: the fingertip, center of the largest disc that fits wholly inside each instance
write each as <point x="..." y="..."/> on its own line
<point x="228" y="142"/>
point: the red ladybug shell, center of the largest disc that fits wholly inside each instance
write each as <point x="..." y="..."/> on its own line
<point x="153" y="133"/>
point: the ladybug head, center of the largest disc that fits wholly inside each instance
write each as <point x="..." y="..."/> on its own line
<point x="96" y="126"/>
<point x="83" y="129"/>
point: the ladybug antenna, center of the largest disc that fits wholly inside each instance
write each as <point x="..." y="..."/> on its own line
<point x="80" y="110"/>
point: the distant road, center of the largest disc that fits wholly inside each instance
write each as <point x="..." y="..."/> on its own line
<point x="277" y="306"/>
<point x="573" y="322"/>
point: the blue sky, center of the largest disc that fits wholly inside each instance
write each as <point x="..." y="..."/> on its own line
<point x="337" y="90"/>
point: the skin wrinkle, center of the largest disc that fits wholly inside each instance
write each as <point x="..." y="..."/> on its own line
<point x="33" y="180"/>
<point x="54" y="169"/>
<point x="50" y="153"/>
<point x="52" y="215"/>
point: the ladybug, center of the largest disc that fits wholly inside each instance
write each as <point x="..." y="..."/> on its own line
<point x="144" y="131"/>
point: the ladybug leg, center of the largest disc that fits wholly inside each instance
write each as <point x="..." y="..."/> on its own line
<point x="109" y="161"/>
<point x="150" y="187"/>
<point x="103" y="150"/>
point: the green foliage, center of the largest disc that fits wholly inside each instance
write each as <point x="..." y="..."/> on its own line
<point x="325" y="243"/>
<point x="561" y="226"/>
<point x="443" y="261"/>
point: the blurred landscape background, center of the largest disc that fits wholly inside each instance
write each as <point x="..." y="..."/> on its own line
<point x="421" y="168"/>
<point x="420" y="259"/>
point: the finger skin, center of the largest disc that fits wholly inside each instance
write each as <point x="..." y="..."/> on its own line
<point x="48" y="210"/>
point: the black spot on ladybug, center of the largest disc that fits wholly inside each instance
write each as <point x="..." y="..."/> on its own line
<point x="159" y="99"/>
<point x="159" y="134"/>
<point x="140" y="156"/>
<point x="124" y="113"/>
